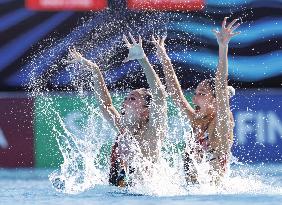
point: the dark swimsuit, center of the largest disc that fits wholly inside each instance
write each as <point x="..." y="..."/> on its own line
<point x="117" y="176"/>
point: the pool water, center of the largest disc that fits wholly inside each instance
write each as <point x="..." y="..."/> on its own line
<point x="251" y="184"/>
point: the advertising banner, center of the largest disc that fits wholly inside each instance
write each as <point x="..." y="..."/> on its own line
<point x="257" y="132"/>
<point x="47" y="5"/>
<point x="57" y="116"/>
<point x="258" y="126"/>
<point x="16" y="133"/>
<point x="166" y="5"/>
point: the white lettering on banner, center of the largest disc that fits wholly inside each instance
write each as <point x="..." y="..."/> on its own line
<point x="3" y="141"/>
<point x="243" y="126"/>
<point x="265" y="126"/>
<point x="274" y="127"/>
<point x="260" y="127"/>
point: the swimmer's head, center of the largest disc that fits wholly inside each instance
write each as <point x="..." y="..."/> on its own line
<point x="204" y="97"/>
<point x="211" y="84"/>
<point x="135" y="108"/>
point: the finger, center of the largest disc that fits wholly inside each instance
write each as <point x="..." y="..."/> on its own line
<point x="65" y="61"/>
<point x="126" y="41"/>
<point x="140" y="41"/>
<point x="132" y="39"/>
<point x="71" y="52"/>
<point x="74" y="52"/>
<point x="235" y="27"/>
<point x="125" y="60"/>
<point x="215" y="31"/>
<point x="159" y="40"/>
<point x="236" y="33"/>
<point x="163" y="40"/>
<point x="232" y="23"/>
<point x="154" y="40"/>
<point x="224" y="22"/>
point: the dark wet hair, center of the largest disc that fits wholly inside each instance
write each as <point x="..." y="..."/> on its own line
<point x="148" y="99"/>
<point x="211" y="84"/>
<point x="147" y="96"/>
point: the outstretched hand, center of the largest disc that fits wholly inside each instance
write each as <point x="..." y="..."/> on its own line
<point x="76" y="57"/>
<point x="227" y="32"/>
<point x="160" y="45"/>
<point x="135" y="50"/>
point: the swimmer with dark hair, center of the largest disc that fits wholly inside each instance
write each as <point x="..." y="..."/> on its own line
<point x="211" y="118"/>
<point x="142" y="117"/>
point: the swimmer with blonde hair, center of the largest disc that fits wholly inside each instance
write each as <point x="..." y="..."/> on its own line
<point x="211" y="119"/>
<point x="142" y="117"/>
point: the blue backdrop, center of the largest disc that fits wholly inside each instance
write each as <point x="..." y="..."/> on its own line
<point x="258" y="128"/>
<point x="33" y="43"/>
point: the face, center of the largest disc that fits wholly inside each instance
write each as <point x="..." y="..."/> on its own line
<point x="203" y="100"/>
<point x="134" y="109"/>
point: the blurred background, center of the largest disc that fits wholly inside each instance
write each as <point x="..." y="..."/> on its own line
<point x="35" y="36"/>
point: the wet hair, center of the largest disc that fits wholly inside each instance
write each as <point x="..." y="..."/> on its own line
<point x="211" y="83"/>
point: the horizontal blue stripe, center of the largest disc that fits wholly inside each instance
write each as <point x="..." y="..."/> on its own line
<point x="34" y="68"/>
<point x="261" y="30"/>
<point x="14" y="18"/>
<point x="6" y="1"/>
<point x="116" y="74"/>
<point x="230" y="3"/>
<point x="240" y="68"/>
<point x="111" y="76"/>
<point x="17" y="47"/>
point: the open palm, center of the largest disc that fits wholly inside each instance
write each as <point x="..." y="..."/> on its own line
<point x="135" y="50"/>
<point x="227" y="32"/>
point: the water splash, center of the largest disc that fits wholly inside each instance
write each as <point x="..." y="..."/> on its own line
<point x="84" y="166"/>
<point x="86" y="159"/>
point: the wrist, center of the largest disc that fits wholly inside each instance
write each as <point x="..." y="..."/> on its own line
<point x="143" y="58"/>
<point x="223" y="46"/>
<point x="89" y="63"/>
<point x="83" y="61"/>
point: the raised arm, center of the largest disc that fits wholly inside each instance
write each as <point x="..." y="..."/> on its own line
<point x="224" y="126"/>
<point x="101" y="92"/>
<point x="172" y="83"/>
<point x="158" y="108"/>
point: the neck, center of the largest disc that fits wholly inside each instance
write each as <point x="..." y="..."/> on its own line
<point x="202" y="124"/>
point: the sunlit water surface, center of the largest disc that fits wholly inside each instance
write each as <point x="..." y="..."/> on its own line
<point x="258" y="184"/>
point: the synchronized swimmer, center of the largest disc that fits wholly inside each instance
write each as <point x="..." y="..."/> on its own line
<point x="143" y="115"/>
<point x="211" y="120"/>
